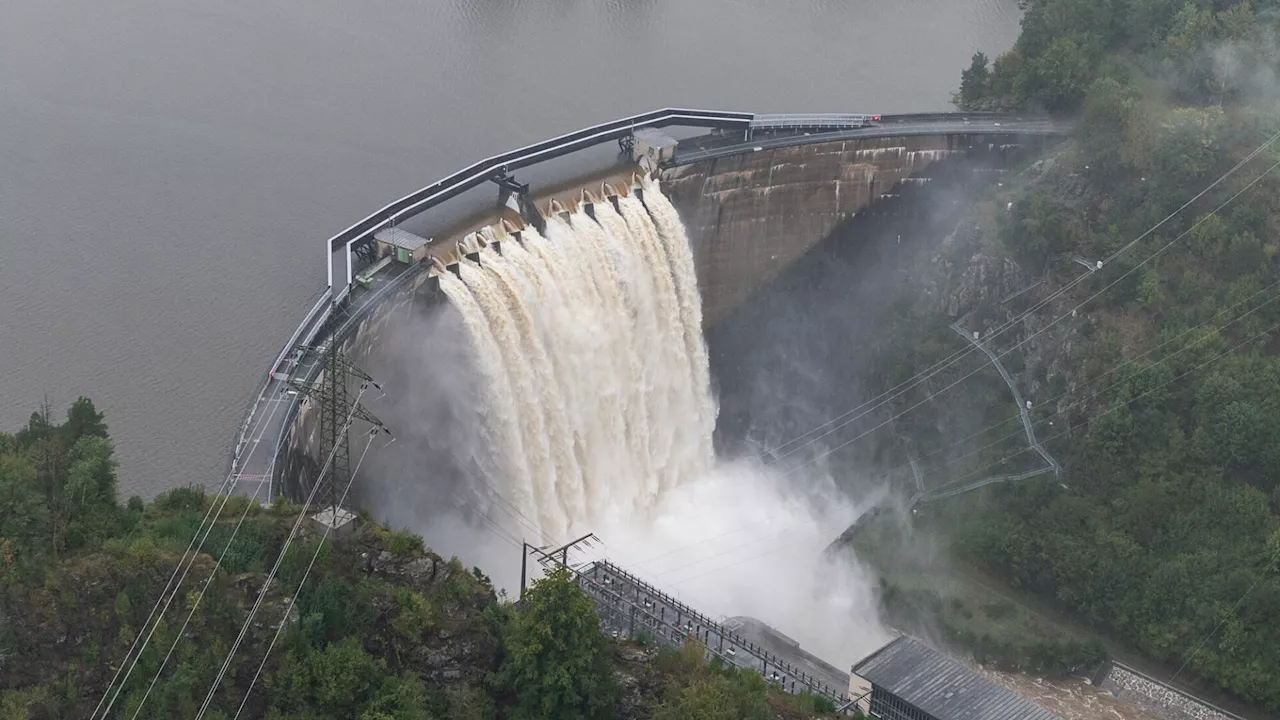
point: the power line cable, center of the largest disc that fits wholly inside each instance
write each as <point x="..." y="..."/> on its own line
<point x="484" y="517"/>
<point x="512" y="510"/>
<point x="244" y="629"/>
<point x="1043" y="329"/>
<point x="1270" y="566"/>
<point x="1110" y="371"/>
<point x="279" y="559"/>
<point x="1065" y="431"/>
<point x="1117" y="368"/>
<point x="955" y="357"/>
<point x="1115" y="407"/>
<point x="1099" y="393"/>
<point x="204" y="588"/>
<point x="183" y="565"/>
<point x="293" y="602"/>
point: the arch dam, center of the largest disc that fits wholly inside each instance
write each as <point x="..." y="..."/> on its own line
<point x="754" y="191"/>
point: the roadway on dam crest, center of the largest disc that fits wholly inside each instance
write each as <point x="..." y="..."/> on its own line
<point x="260" y="443"/>
<point x="725" y="146"/>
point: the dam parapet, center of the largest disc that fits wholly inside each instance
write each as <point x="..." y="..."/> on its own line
<point x="755" y="194"/>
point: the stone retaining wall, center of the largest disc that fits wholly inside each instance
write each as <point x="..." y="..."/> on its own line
<point x="1158" y="698"/>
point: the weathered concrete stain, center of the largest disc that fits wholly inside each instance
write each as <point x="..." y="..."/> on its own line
<point x="749" y="216"/>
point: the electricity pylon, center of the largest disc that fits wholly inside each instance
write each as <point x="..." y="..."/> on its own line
<point x="337" y="410"/>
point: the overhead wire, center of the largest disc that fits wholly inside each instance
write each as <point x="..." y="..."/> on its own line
<point x="293" y="601"/>
<point x="844" y="419"/>
<point x="1114" y="369"/>
<point x="1257" y="581"/>
<point x="510" y="508"/>
<point x="1061" y="433"/>
<point x="488" y="521"/>
<point x="244" y="629"/>
<point x="170" y="590"/>
<point x="205" y="586"/>
<point x="1050" y="324"/>
<point x="1196" y="343"/>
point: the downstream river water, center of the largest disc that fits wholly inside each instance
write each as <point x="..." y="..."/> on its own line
<point x="169" y="171"/>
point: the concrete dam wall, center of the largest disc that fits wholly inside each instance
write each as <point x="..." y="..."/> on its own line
<point x="750" y="216"/>
<point x="747" y="217"/>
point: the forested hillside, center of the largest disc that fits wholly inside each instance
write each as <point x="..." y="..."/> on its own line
<point x="382" y="628"/>
<point x="1155" y="377"/>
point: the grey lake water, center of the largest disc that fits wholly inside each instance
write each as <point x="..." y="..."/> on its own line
<point x="169" y="171"/>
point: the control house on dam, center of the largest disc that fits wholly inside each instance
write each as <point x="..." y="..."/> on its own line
<point x="720" y="203"/>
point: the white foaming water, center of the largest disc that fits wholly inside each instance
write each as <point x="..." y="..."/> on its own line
<point x="600" y="415"/>
<point x="737" y="542"/>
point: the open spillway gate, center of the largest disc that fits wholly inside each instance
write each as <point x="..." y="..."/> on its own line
<point x="395" y="290"/>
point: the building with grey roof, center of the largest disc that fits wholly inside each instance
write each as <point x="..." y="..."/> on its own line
<point x="405" y="246"/>
<point x="908" y="680"/>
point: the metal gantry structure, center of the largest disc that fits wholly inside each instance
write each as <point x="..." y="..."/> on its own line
<point x="330" y="391"/>
<point x="630" y="607"/>
<point x="556" y="555"/>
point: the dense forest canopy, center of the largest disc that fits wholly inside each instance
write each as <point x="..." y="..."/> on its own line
<point x="1166" y="387"/>
<point x="382" y="628"/>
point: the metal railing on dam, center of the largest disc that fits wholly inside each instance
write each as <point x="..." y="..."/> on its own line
<point x="275" y="408"/>
<point x="485" y="170"/>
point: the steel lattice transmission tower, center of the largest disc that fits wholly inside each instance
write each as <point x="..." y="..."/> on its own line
<point x="338" y="408"/>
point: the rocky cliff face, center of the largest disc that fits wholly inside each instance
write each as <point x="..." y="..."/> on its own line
<point x="971" y="277"/>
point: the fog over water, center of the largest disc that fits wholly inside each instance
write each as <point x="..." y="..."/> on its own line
<point x="171" y="170"/>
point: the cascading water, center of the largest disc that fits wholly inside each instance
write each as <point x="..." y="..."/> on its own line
<point x="590" y="344"/>
<point x="599" y="417"/>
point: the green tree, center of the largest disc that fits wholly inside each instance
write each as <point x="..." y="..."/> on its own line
<point x="343" y="676"/>
<point x="83" y="420"/>
<point x="90" y="492"/>
<point x="1063" y="73"/>
<point x="338" y="681"/>
<point x="1008" y="79"/>
<point x="711" y="698"/>
<point x="1104" y="118"/>
<point x="1051" y="20"/>
<point x="973" y="81"/>
<point x="24" y="513"/>
<point x="558" y="663"/>
<point x="731" y="694"/>
<point x="402" y="697"/>
<point x="1187" y="148"/>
